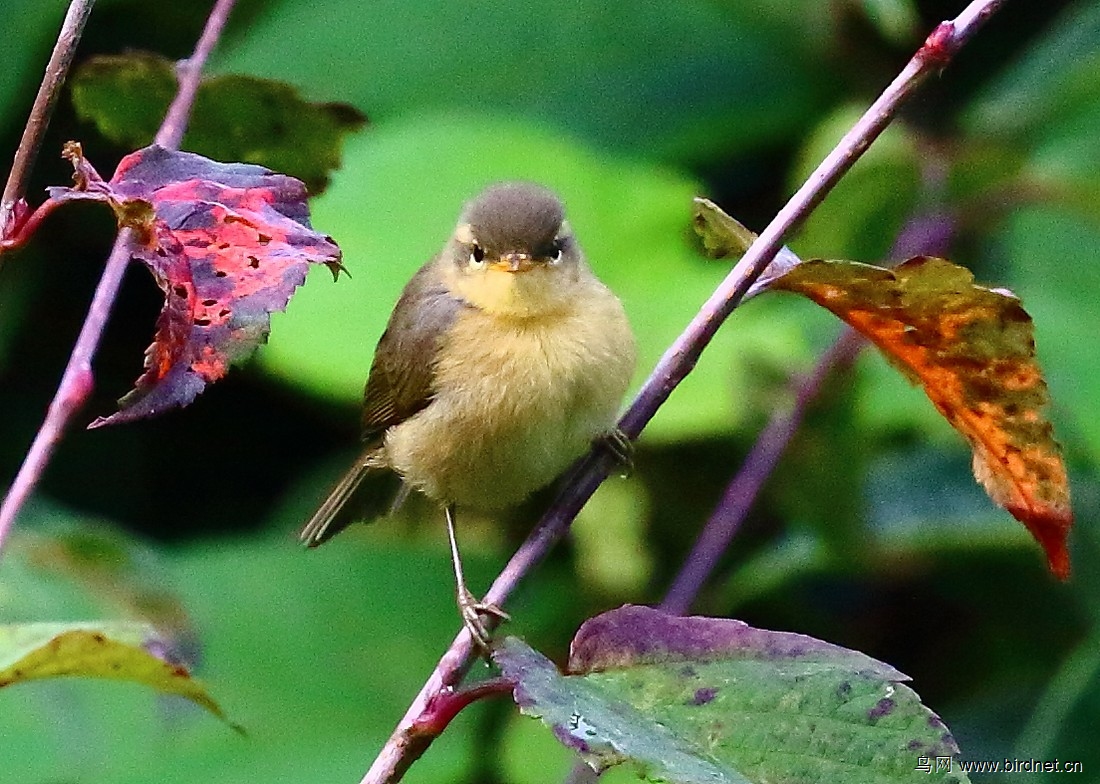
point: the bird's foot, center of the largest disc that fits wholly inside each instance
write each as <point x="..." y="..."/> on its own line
<point x="480" y="618"/>
<point x="621" y="448"/>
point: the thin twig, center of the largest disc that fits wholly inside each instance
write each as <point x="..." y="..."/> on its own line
<point x="928" y="232"/>
<point x="75" y="387"/>
<point x="77" y="381"/>
<point x="39" y="119"/>
<point x="407" y="743"/>
<point x="189" y="76"/>
<point x="754" y="472"/>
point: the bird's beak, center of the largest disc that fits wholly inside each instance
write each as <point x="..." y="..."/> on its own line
<point x="514" y="262"/>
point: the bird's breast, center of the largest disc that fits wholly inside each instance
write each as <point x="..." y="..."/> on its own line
<point x="515" y="402"/>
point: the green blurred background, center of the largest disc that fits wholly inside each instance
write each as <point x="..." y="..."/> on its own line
<point x="872" y="534"/>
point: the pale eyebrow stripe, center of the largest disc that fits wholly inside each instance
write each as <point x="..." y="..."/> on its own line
<point x="464" y="233"/>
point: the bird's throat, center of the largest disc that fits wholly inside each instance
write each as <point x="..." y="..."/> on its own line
<point x="531" y="293"/>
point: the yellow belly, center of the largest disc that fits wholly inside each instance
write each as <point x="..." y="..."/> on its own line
<point x="520" y="402"/>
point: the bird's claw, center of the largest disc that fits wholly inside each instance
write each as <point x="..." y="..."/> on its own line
<point x="620" y="447"/>
<point x="480" y="618"/>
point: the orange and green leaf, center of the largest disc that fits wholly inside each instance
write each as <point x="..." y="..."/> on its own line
<point x="972" y="350"/>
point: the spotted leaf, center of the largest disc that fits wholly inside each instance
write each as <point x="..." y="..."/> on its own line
<point x="972" y="349"/>
<point x="119" y="650"/>
<point x="227" y="243"/>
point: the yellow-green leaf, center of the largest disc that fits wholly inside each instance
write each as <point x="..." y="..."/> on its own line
<point x="117" y="651"/>
<point x="724" y="236"/>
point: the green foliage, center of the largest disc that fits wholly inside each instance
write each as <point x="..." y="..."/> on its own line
<point x="629" y="110"/>
<point x="117" y="650"/>
<point x="235" y="118"/>
<point x="682" y="80"/>
<point x="291" y="658"/>
<point x="126" y="96"/>
<point x="712" y="700"/>
<point x="630" y="218"/>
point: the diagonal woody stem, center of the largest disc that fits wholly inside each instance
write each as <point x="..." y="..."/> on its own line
<point x="44" y="102"/>
<point x="77" y="380"/>
<point x="409" y="740"/>
<point x="924" y="233"/>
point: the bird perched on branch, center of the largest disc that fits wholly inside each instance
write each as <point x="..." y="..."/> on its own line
<point x="503" y="360"/>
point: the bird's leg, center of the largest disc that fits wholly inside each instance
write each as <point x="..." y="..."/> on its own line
<point x="472" y="610"/>
<point x="621" y="448"/>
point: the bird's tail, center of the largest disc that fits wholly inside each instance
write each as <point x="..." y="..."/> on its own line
<point x="373" y="489"/>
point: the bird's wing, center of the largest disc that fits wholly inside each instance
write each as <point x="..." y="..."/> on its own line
<point x="400" y="380"/>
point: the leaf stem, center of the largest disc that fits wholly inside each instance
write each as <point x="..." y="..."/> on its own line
<point x="77" y="380"/>
<point x="44" y="102"/>
<point x="405" y="745"/>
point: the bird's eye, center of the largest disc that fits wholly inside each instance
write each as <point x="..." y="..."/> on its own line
<point x="477" y="257"/>
<point x="557" y="253"/>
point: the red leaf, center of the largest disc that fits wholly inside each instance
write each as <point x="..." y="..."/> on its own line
<point x="228" y="243"/>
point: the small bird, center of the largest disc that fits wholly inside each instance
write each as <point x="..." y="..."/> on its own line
<point x="504" y="359"/>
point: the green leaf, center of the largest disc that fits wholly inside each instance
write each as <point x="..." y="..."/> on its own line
<point x="126" y="96"/>
<point x="69" y="569"/>
<point x="715" y="700"/>
<point x="112" y="650"/>
<point x="297" y="657"/>
<point x="235" y="118"/>
<point x="677" y="80"/>
<point x="604" y="731"/>
<point x="726" y="237"/>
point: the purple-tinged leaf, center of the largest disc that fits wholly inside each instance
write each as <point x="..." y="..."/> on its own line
<point x="715" y="700"/>
<point x="228" y="243"/>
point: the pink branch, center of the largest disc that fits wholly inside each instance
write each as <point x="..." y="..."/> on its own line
<point x="75" y="387"/>
<point x="39" y="119"/>
<point x="407" y="743"/>
<point x="754" y="472"/>
<point x="77" y="381"/>
<point x="189" y="74"/>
